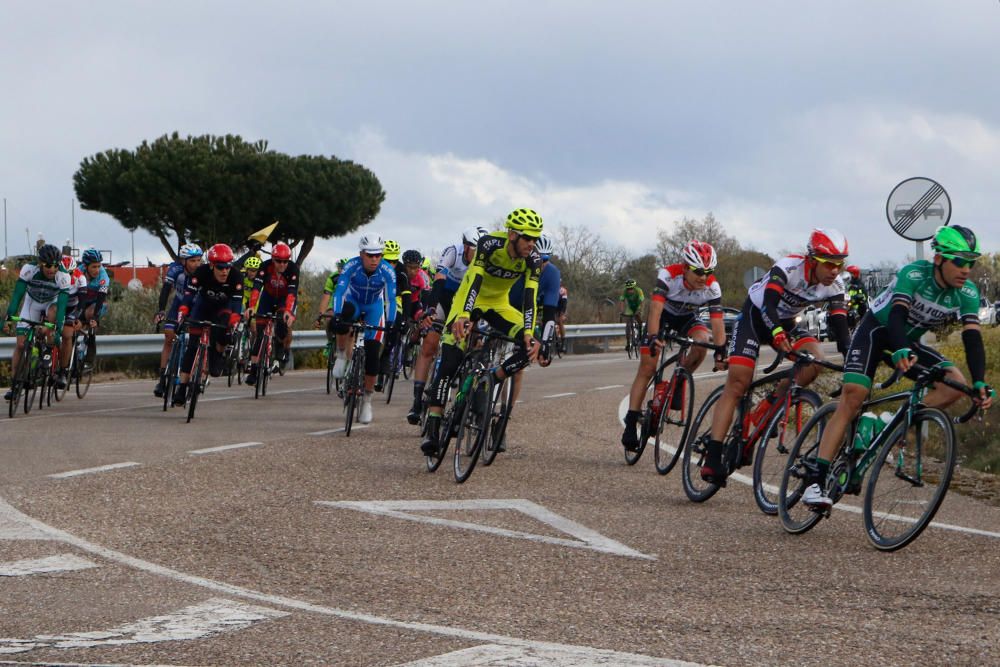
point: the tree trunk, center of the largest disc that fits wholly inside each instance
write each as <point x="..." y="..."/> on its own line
<point x="305" y="249"/>
<point x="166" y="244"/>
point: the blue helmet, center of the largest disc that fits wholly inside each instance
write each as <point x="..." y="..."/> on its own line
<point x="91" y="255"/>
<point x="189" y="250"/>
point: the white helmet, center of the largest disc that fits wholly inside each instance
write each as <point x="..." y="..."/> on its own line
<point x="544" y="244"/>
<point x="189" y="250"/>
<point x="700" y="255"/>
<point x="371" y="243"/>
<point x="472" y="235"/>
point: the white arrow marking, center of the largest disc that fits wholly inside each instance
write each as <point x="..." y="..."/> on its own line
<point x="63" y="563"/>
<point x="493" y="655"/>
<point x="198" y="621"/>
<point x="585" y="537"/>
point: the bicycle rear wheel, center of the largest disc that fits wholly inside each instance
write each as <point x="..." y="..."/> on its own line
<point x="776" y="441"/>
<point x="909" y="479"/>
<point x="795" y="516"/>
<point x="354" y="388"/>
<point x="674" y="424"/>
<point x="263" y="363"/>
<point x="502" y="404"/>
<point x="695" y="450"/>
<point x="474" y="427"/>
<point x="331" y="359"/>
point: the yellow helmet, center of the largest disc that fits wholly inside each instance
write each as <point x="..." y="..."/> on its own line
<point x="525" y="222"/>
<point x="391" y="250"/>
<point x="252" y="262"/>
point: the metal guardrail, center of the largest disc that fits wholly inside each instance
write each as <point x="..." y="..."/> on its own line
<point x="138" y="345"/>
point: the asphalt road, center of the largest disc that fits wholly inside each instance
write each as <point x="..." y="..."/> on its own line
<point x="313" y="548"/>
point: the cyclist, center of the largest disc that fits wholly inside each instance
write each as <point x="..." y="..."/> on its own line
<point x="40" y="294"/>
<point x="857" y="297"/>
<point x="366" y="290"/>
<point x="549" y="282"/>
<point x="404" y="306"/>
<point x="561" y="315"/>
<point x="189" y="258"/>
<point x="78" y="281"/>
<point x="325" y="308"/>
<point x="768" y="316"/>
<point x="681" y="290"/>
<point x="419" y="284"/>
<point x="451" y="269"/>
<point x="214" y="293"/>
<point x="924" y="294"/>
<point x="251" y="267"/>
<point x="501" y="258"/>
<point x="275" y="291"/>
<point x="630" y="303"/>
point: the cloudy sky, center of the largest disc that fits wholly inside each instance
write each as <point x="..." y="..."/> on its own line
<point x="620" y="116"/>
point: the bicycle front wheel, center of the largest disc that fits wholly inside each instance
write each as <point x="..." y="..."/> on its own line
<point x="474" y="426"/>
<point x="83" y="374"/>
<point x="354" y="386"/>
<point x="502" y="405"/>
<point x="194" y="383"/>
<point x="675" y="423"/>
<point x="777" y="440"/>
<point x="795" y="516"/>
<point x="909" y="479"/>
<point x="696" y="449"/>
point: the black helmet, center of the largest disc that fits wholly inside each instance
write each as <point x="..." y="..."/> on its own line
<point x="49" y="254"/>
<point x="412" y="257"/>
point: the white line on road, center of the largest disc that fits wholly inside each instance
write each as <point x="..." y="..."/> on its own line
<point x="337" y="430"/>
<point x="87" y="471"/>
<point x="610" y="386"/>
<point x="568" y="393"/>
<point x="61" y="563"/>
<point x="212" y="450"/>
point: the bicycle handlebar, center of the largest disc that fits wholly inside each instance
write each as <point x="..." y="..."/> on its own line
<point x="687" y="341"/>
<point x="33" y="323"/>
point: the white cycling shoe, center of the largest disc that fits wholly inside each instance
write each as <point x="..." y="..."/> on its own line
<point x="815" y="498"/>
<point x="366" y="409"/>
<point x="339" y="366"/>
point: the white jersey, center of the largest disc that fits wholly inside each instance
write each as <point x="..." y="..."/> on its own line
<point x="678" y="298"/>
<point x="40" y="288"/>
<point x="789" y="274"/>
<point x="452" y="265"/>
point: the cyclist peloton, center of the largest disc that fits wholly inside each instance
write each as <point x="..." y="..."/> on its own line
<point x="40" y="294"/>
<point x="501" y="258"/>
<point x="366" y="290"/>
<point x="275" y="292"/>
<point x="630" y="302"/>
<point x="214" y="293"/>
<point x="768" y="316"/>
<point x="451" y="269"/>
<point x="923" y="295"/>
<point x="189" y="258"/>
<point x="681" y="290"/>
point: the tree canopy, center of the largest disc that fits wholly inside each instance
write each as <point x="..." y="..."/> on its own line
<point x="221" y="189"/>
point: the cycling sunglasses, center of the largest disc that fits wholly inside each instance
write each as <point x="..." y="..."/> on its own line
<point x="48" y="265"/>
<point x="962" y="262"/>
<point x="701" y="272"/>
<point x="831" y="261"/>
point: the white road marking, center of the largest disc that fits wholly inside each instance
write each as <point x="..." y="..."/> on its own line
<point x="610" y="386"/>
<point x="198" y="621"/>
<point x="568" y="393"/>
<point x="62" y="563"/>
<point x="585" y="537"/>
<point x="11" y="516"/>
<point x="493" y="655"/>
<point x="846" y="507"/>
<point x="337" y="430"/>
<point x="212" y="450"/>
<point x="87" y="471"/>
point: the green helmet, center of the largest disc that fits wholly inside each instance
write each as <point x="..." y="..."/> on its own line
<point x="630" y="284"/>
<point x="956" y="241"/>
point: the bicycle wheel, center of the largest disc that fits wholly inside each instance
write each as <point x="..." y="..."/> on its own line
<point x="434" y="462"/>
<point x="170" y="375"/>
<point x="395" y="362"/>
<point x="796" y="517"/>
<point x="674" y="424"/>
<point x="58" y="393"/>
<point x="354" y="387"/>
<point x="83" y="374"/>
<point x="776" y="441"/>
<point x="695" y="450"/>
<point x="331" y="359"/>
<point x="474" y="426"/>
<point x="263" y="369"/>
<point x="909" y="480"/>
<point x="194" y="383"/>
<point x="18" y="385"/>
<point x="502" y="404"/>
<point x="628" y="339"/>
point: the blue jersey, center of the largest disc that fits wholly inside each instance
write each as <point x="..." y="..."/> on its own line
<point x="548" y="288"/>
<point x="96" y="289"/>
<point x="177" y="278"/>
<point x="358" y="287"/>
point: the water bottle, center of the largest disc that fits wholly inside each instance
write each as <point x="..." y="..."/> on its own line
<point x="659" y="396"/>
<point x="883" y="420"/>
<point x="865" y="432"/>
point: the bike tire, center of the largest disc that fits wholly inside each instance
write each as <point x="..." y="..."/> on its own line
<point x="194" y="382"/>
<point x="474" y="427"/>
<point x="18" y="385"/>
<point x="674" y="425"/>
<point x="434" y="462"/>
<point x="263" y="361"/>
<point x="795" y="517"/>
<point x="331" y="359"/>
<point x="353" y="389"/>
<point x="501" y="407"/>
<point x="909" y="479"/>
<point x="58" y="393"/>
<point x="395" y="361"/>
<point x="775" y="443"/>
<point x="695" y="488"/>
<point x="83" y="376"/>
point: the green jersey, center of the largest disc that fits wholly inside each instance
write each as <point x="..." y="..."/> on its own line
<point x="633" y="300"/>
<point x="930" y="304"/>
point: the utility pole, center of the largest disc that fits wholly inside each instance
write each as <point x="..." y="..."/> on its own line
<point x="72" y="219"/>
<point x="5" y="253"/>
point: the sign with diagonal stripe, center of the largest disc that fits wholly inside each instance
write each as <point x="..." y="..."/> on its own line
<point x="916" y="207"/>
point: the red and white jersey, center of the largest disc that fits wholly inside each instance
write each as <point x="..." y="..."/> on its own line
<point x="788" y="276"/>
<point x="679" y="298"/>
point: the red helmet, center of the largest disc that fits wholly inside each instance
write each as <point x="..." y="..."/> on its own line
<point x="827" y="243"/>
<point x="854" y="270"/>
<point x="700" y="255"/>
<point x="220" y="255"/>
<point x="281" y="250"/>
<point x="67" y="262"/>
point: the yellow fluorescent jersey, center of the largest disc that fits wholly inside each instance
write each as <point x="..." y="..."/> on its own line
<point x="247" y="289"/>
<point x="490" y="277"/>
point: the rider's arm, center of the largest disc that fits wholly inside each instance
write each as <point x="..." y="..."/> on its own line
<point x="340" y="292"/>
<point x="390" y="291"/>
<point x="472" y="282"/>
<point x="405" y="293"/>
<point x="164" y="295"/>
<point x="775" y="287"/>
<point x="530" y="306"/>
<point x="837" y="323"/>
<point x="292" y="276"/>
<point x="975" y="353"/>
<point x="20" y="288"/>
<point x="61" y="301"/>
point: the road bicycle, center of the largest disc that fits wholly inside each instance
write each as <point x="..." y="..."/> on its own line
<point x="670" y="408"/>
<point x="352" y="386"/>
<point x="633" y="336"/>
<point x="910" y="460"/>
<point x="772" y="406"/>
<point x="171" y="374"/>
<point x="32" y="365"/>
<point x="200" y="375"/>
<point x="265" y="365"/>
<point x="238" y="354"/>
